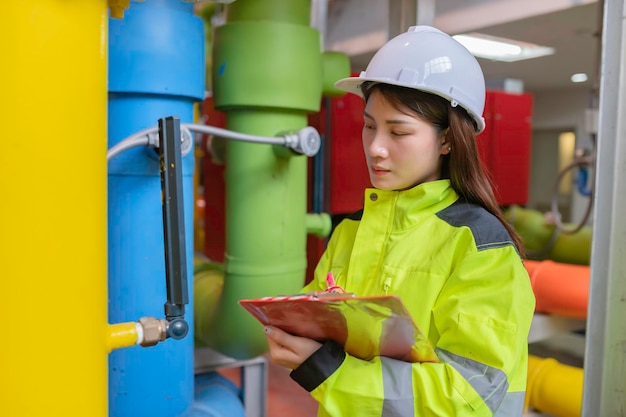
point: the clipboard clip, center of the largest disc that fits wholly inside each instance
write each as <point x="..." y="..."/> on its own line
<point x="331" y="286"/>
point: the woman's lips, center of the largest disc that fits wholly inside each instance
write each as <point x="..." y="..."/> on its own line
<point x="379" y="170"/>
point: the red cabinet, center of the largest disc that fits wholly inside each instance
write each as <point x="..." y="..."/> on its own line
<point x="347" y="168"/>
<point x="504" y="145"/>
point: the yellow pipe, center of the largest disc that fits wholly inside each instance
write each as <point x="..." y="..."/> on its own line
<point x="122" y="335"/>
<point x="554" y="388"/>
<point x="53" y="251"/>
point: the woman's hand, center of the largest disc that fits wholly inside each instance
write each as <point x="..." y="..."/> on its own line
<point x="288" y="350"/>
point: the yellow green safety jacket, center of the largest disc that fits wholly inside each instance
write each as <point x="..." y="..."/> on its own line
<point x="460" y="276"/>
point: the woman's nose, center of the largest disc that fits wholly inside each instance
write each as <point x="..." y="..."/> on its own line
<point x="374" y="145"/>
<point x="377" y="150"/>
<point x="381" y="152"/>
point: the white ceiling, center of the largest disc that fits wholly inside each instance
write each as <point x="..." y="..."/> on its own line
<point x="571" y="27"/>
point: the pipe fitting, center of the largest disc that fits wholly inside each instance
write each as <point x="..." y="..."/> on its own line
<point x="306" y="141"/>
<point x="154" y="330"/>
<point x="319" y="224"/>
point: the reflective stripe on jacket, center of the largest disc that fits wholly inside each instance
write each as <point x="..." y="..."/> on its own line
<point x="458" y="273"/>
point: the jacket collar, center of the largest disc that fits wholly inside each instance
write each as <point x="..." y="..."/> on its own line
<point x="406" y="207"/>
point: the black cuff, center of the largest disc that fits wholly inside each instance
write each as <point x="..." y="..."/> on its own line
<point x="319" y="366"/>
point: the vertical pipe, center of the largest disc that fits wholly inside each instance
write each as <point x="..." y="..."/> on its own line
<point x="53" y="351"/>
<point x="156" y="69"/>
<point x="266" y="228"/>
<point x="605" y="367"/>
<point x="267" y="73"/>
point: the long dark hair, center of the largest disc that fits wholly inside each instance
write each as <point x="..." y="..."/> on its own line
<point x="462" y="165"/>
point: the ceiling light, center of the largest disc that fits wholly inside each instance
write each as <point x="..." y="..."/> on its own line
<point x="501" y="49"/>
<point x="580" y="77"/>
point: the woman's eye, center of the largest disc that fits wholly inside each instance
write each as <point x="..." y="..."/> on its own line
<point x="399" y="133"/>
<point x="367" y="126"/>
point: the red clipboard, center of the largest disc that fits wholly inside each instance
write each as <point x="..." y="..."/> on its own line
<point x="365" y="326"/>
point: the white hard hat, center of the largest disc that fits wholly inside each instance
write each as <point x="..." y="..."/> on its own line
<point x="429" y="60"/>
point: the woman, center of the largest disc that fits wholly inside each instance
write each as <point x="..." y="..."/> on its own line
<point x="432" y="233"/>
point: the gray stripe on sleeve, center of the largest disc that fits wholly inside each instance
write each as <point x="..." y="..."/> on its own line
<point x="398" y="388"/>
<point x="512" y="405"/>
<point x="490" y="383"/>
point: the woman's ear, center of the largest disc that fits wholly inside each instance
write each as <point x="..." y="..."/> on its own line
<point x="445" y="148"/>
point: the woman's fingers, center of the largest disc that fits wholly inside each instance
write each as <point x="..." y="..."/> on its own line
<point x="288" y="350"/>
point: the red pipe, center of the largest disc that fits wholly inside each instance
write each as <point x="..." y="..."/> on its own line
<point x="560" y="289"/>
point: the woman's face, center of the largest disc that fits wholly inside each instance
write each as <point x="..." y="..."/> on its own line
<point x="401" y="149"/>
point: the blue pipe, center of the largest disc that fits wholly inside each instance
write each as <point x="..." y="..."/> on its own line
<point x="156" y="69"/>
<point x="216" y="396"/>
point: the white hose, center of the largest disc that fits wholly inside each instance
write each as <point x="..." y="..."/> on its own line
<point x="148" y="136"/>
<point x="141" y="138"/>
<point x="229" y="134"/>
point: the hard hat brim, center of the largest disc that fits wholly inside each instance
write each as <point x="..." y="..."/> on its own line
<point x="353" y="85"/>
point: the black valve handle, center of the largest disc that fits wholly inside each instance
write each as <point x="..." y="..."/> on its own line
<point x="170" y="160"/>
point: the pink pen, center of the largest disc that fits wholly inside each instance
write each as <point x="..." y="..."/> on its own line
<point x="331" y="286"/>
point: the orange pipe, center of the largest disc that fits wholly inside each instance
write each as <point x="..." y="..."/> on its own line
<point x="560" y="289"/>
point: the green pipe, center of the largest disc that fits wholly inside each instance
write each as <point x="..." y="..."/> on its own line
<point x="335" y="65"/>
<point x="267" y="75"/>
<point x="297" y="12"/>
<point x="265" y="229"/>
<point x="544" y="241"/>
<point x="259" y="64"/>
